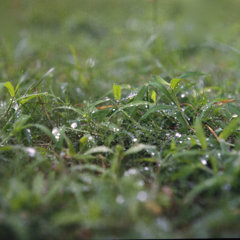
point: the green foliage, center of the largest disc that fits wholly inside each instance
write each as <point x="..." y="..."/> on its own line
<point x="154" y="156"/>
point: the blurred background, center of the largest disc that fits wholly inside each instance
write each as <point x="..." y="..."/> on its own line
<point x="95" y="43"/>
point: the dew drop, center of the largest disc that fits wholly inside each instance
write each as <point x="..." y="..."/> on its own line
<point x="142" y="196"/>
<point x="120" y="199"/>
<point x="73" y="125"/>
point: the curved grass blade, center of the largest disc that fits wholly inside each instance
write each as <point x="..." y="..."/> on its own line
<point x="200" y="133"/>
<point x="160" y="80"/>
<point x="191" y="74"/>
<point x="44" y="76"/>
<point x="213" y="183"/>
<point x="43" y="129"/>
<point x="231" y="127"/>
<point x="26" y="98"/>
<point x="98" y="149"/>
<point x="138" y="148"/>
<point x="132" y="104"/>
<point x="162" y="88"/>
<point x="174" y="82"/>
<point x="156" y="108"/>
<point x="10" y="88"/>
<point x="71" y="108"/>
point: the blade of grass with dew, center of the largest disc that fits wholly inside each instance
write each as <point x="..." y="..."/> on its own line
<point x="231" y="127"/>
<point x="160" y="80"/>
<point x="162" y="88"/>
<point x="174" y="82"/>
<point x="156" y="108"/>
<point x="98" y="149"/>
<point x="200" y="133"/>
<point x="138" y="148"/>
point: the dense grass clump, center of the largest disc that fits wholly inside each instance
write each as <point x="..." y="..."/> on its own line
<point x="118" y="127"/>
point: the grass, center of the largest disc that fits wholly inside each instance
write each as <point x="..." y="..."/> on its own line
<point x="119" y="120"/>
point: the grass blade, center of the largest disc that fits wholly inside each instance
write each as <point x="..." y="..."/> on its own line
<point x="156" y="108"/>
<point x="200" y="133"/>
<point x="231" y="127"/>
<point x="162" y="88"/>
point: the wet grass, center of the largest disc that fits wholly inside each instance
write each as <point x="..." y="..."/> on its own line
<point x="118" y="121"/>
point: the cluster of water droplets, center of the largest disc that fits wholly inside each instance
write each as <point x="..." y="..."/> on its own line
<point x="56" y="131"/>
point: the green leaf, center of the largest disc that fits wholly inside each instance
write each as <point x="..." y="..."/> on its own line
<point x="43" y="129"/>
<point x="234" y="109"/>
<point x="138" y="148"/>
<point x="214" y="182"/>
<point x="98" y="149"/>
<point x="138" y="97"/>
<point x="161" y="87"/>
<point x="231" y="127"/>
<point x="10" y="88"/>
<point x="83" y="141"/>
<point x="20" y="123"/>
<point x="91" y="167"/>
<point x="27" y="97"/>
<point x="181" y="120"/>
<point x="70" y="145"/>
<point x="200" y="133"/>
<point x="174" y="82"/>
<point x="156" y="108"/>
<point x="191" y="74"/>
<point x="132" y="104"/>
<point x="117" y="91"/>
<point x="71" y="108"/>
<point x="160" y="80"/>
<point x="141" y="93"/>
<point x="154" y="96"/>
<point x="38" y="82"/>
<point x="59" y="144"/>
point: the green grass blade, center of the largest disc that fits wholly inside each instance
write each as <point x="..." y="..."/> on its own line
<point x="43" y="129"/>
<point x="200" y="133"/>
<point x="117" y="91"/>
<point x="191" y="74"/>
<point x="160" y="80"/>
<point x="174" y="82"/>
<point x="10" y="88"/>
<point x="162" y="88"/>
<point x="98" y="149"/>
<point x="231" y="127"/>
<point x="156" y="108"/>
<point x="138" y="148"/>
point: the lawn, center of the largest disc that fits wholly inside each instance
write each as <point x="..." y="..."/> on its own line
<point x="119" y="119"/>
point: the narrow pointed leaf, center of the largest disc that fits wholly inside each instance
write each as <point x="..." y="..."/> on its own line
<point x="234" y="109"/>
<point x="154" y="96"/>
<point x="162" y="88"/>
<point x="141" y="93"/>
<point x="181" y="120"/>
<point x="160" y="80"/>
<point x="156" y="108"/>
<point x="138" y="148"/>
<point x="43" y="129"/>
<point x="117" y="91"/>
<point x="174" y="82"/>
<point x="98" y="149"/>
<point x="10" y="88"/>
<point x="231" y="127"/>
<point x="191" y="74"/>
<point x="200" y="133"/>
